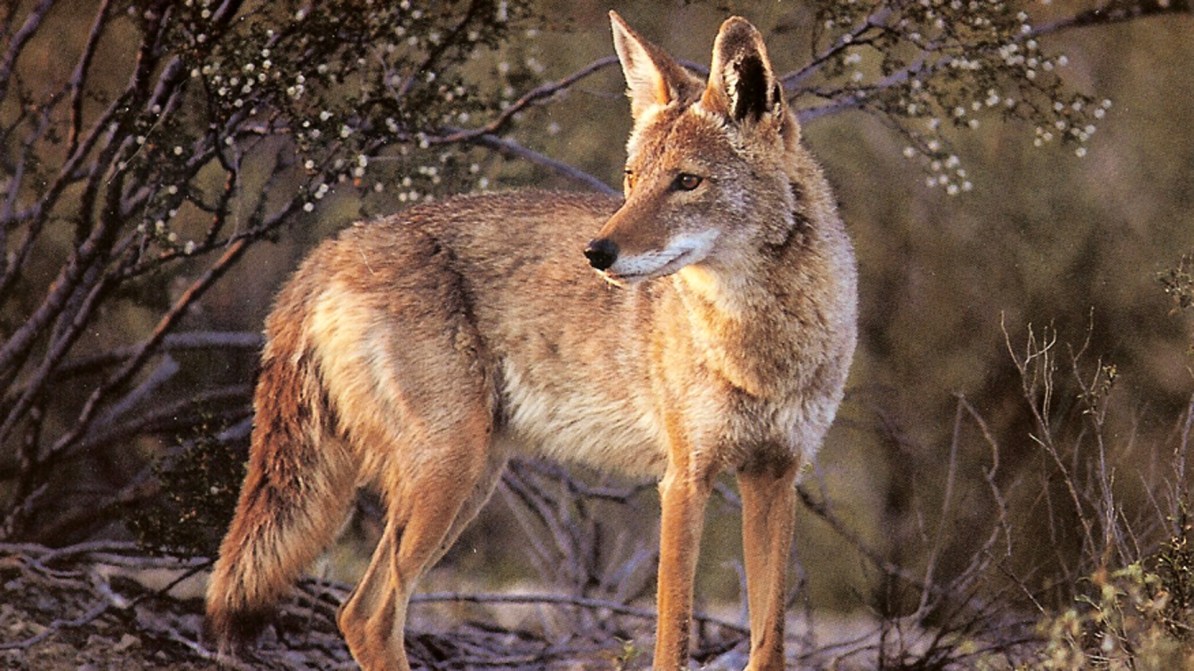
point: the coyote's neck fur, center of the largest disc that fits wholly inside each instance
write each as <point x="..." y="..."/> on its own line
<point x="753" y="321"/>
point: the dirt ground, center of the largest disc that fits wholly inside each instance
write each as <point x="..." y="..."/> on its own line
<point x="111" y="608"/>
<point x="104" y="610"/>
<point x="108" y="606"/>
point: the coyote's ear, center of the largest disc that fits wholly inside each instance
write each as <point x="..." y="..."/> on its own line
<point x="653" y="78"/>
<point x="742" y="85"/>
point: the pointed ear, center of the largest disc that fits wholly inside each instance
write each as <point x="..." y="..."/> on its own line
<point x="742" y="85"/>
<point x="652" y="77"/>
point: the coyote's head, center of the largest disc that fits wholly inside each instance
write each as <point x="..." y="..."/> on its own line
<point x="709" y="163"/>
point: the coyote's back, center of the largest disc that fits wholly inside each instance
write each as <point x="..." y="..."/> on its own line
<point x="414" y="354"/>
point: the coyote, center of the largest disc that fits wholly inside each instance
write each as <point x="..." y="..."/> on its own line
<point x="415" y="353"/>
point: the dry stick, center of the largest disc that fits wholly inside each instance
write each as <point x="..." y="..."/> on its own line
<point x="174" y="417"/>
<point x="1180" y="491"/>
<point x="62" y="340"/>
<point x="12" y="262"/>
<point x="1036" y="370"/>
<point x="440" y="49"/>
<point x="174" y="342"/>
<point x="509" y="147"/>
<point x="1109" y="13"/>
<point x="1116" y="12"/>
<point x="877" y="19"/>
<point x="148" y="347"/>
<point x="821" y="510"/>
<point x="16" y="349"/>
<point x="545" y="90"/>
<point x="525" y="508"/>
<point x="926" y="599"/>
<point x="989" y="474"/>
<point x="19" y="39"/>
<point x="578" y="601"/>
<point x="57" y="625"/>
<point x="79" y="76"/>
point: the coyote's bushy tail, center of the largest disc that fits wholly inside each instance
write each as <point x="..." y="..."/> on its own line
<point x="294" y="499"/>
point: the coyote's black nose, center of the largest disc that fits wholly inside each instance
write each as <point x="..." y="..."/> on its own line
<point x="601" y="253"/>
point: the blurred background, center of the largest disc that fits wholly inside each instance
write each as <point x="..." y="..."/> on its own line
<point x="1017" y="413"/>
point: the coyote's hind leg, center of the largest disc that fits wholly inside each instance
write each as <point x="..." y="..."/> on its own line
<point x="427" y="503"/>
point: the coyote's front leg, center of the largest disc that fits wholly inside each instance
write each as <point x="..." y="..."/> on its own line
<point x="768" y="516"/>
<point x="683" y="493"/>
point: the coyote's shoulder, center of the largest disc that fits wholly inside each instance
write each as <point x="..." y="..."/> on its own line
<point x="415" y="353"/>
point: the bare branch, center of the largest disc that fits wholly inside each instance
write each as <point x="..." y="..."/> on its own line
<point x="539" y="93"/>
<point x="19" y="39"/>
<point x="188" y="297"/>
<point x="511" y="148"/>
<point x="1116" y="11"/>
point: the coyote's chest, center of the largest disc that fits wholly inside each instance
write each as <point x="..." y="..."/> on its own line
<point x="580" y="421"/>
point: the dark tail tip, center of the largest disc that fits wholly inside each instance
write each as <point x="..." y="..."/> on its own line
<point x="233" y="633"/>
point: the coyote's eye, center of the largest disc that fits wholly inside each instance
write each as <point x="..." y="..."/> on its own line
<point x="630" y="179"/>
<point x="686" y="181"/>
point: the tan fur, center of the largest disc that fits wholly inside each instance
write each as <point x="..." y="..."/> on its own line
<point x="414" y="353"/>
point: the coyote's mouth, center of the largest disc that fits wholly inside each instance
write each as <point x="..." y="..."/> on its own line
<point x="683" y="250"/>
<point x="676" y="262"/>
